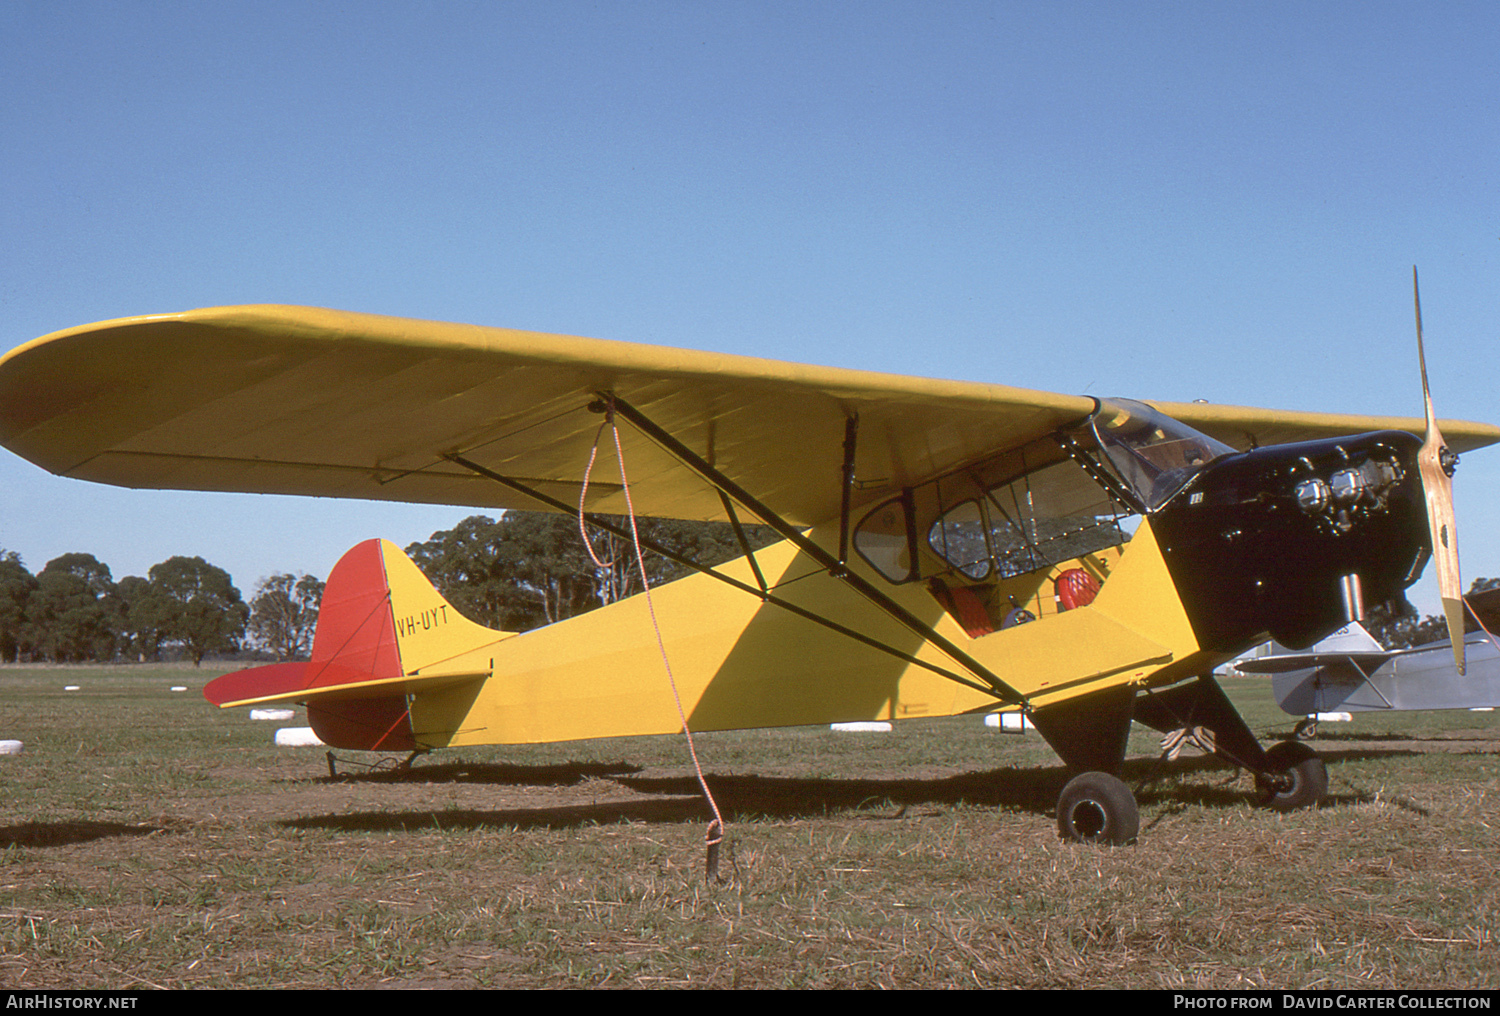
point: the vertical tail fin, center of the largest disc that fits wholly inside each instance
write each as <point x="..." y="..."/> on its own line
<point x="355" y="626"/>
<point x="428" y="630"/>
<point x="383" y="630"/>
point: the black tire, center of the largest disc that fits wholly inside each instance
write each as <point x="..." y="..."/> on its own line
<point x="1098" y="808"/>
<point x="1297" y="777"/>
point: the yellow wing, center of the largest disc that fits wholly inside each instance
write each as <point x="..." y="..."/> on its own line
<point x="297" y="400"/>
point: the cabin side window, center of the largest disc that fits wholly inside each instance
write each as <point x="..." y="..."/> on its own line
<point x="1052" y="515"/>
<point x="1018" y="513"/>
<point x="959" y="537"/>
<point x="886" y="540"/>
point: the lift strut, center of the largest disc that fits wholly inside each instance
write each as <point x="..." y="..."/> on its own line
<point x="835" y="567"/>
<point x="763" y="593"/>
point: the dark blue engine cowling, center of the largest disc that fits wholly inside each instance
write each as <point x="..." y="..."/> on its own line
<point x="1260" y="541"/>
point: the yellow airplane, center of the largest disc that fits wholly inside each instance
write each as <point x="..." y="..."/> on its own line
<point x="948" y="547"/>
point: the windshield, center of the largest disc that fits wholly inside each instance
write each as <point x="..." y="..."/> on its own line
<point x="1154" y="454"/>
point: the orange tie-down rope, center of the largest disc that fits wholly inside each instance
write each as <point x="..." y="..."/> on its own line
<point x="715" y="836"/>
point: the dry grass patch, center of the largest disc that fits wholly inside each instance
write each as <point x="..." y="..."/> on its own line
<point x="149" y="840"/>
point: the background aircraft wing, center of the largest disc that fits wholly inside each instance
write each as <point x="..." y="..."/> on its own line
<point x="1245" y="427"/>
<point x="295" y="400"/>
<point x="1284" y="663"/>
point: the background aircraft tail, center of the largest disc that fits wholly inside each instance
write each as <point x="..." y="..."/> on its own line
<point x="384" y="633"/>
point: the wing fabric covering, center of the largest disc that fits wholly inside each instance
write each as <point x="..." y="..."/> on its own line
<point x="297" y="400"/>
<point x="303" y="401"/>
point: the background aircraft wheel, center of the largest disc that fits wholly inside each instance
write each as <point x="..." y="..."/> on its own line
<point x="1298" y="778"/>
<point x="1098" y="808"/>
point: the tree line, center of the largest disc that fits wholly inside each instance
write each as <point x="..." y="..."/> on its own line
<point x="1398" y="625"/>
<point x="517" y="572"/>
<point x="73" y="611"/>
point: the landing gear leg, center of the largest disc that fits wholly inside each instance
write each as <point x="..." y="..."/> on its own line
<point x="1289" y="776"/>
<point x="1201" y="703"/>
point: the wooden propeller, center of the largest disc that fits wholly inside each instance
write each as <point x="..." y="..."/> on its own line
<point x="1436" y="466"/>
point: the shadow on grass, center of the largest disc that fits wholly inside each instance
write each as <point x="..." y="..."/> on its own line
<point x="675" y="810"/>
<point x="677" y="798"/>
<point x="1165" y="787"/>
<point x="1451" y="737"/>
<point x="565" y="775"/>
<point x="62" y="834"/>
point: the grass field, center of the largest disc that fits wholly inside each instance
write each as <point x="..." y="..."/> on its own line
<point x="150" y="840"/>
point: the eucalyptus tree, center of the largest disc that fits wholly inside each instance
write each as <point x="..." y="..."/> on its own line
<point x="16" y="587"/>
<point x="284" y="614"/>
<point x="145" y="618"/>
<point x="72" y="614"/>
<point x="527" y="569"/>
<point x="207" y="614"/>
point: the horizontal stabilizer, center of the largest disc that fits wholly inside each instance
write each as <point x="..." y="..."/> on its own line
<point x="295" y="682"/>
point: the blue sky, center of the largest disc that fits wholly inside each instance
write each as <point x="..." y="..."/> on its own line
<point x="1178" y="201"/>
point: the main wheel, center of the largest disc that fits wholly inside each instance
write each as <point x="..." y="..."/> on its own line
<point x="1098" y="808"/>
<point x="1297" y="779"/>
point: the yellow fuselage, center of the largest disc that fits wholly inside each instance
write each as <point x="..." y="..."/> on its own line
<point x="739" y="663"/>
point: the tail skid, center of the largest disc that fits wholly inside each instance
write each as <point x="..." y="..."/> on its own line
<point x="384" y="633"/>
